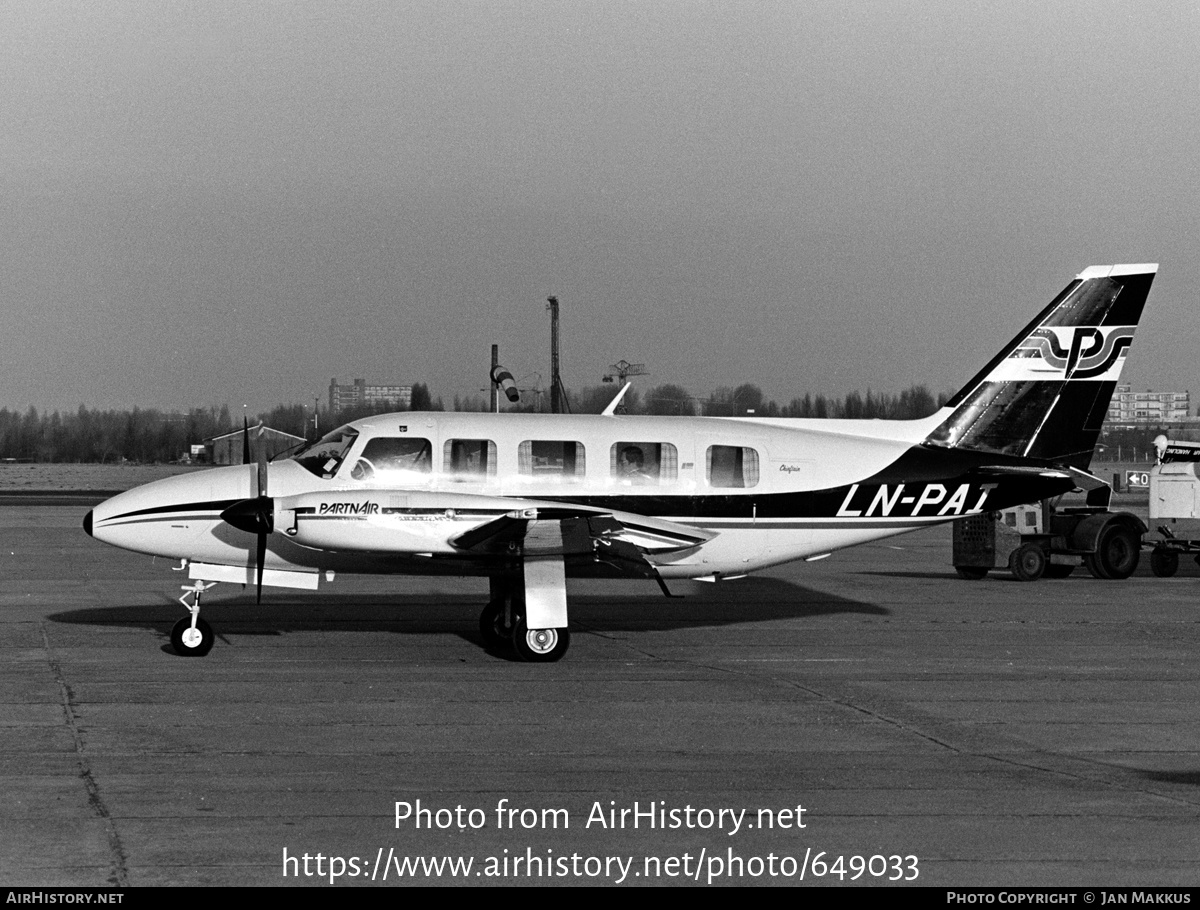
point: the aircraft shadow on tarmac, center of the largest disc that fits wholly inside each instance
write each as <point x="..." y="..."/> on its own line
<point x="1080" y="574"/>
<point x="1187" y="778"/>
<point x="949" y="574"/>
<point x="745" y="600"/>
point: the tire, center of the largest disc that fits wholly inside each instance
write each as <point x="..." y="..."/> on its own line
<point x="1093" y="566"/>
<point x="1163" y="562"/>
<point x="971" y="573"/>
<point x="1028" y="562"/>
<point x="1118" y="552"/>
<point x="186" y="643"/>
<point x="495" y="629"/>
<point x="540" y="646"/>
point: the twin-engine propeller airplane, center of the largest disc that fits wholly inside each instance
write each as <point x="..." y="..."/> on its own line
<point x="528" y="499"/>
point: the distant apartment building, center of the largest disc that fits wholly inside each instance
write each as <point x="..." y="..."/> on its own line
<point x="1128" y="406"/>
<point x="359" y="393"/>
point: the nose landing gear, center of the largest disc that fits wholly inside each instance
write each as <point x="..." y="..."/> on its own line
<point x="192" y="636"/>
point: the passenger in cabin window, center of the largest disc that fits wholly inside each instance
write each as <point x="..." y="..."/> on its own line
<point x="632" y="466"/>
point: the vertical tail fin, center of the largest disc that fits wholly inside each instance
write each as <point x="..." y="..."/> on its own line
<point x="1046" y="394"/>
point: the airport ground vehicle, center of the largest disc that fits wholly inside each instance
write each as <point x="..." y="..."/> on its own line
<point x="1174" y="504"/>
<point x="1043" y="538"/>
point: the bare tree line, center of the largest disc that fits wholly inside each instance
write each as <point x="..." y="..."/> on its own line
<point x="150" y="435"/>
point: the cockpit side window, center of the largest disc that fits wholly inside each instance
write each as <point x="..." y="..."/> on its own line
<point x="324" y="456"/>
<point x="388" y="458"/>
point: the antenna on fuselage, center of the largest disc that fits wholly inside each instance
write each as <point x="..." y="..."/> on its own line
<point x="616" y="402"/>
<point x="622" y="370"/>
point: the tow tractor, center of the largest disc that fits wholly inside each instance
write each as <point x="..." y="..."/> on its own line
<point x="1047" y="538"/>
<point x="1174" y="504"/>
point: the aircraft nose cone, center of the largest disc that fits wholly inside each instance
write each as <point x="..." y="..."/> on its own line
<point x="87" y="522"/>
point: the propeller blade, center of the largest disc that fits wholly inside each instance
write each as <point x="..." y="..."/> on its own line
<point x="262" y="462"/>
<point x="260" y="558"/>
<point x="255" y="515"/>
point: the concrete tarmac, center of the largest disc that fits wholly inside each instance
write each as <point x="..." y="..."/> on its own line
<point x="933" y="730"/>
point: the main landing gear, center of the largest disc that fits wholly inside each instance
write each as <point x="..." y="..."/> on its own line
<point x="192" y="636"/>
<point x="502" y="625"/>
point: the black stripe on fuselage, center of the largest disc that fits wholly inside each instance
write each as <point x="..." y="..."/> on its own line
<point x="210" y="506"/>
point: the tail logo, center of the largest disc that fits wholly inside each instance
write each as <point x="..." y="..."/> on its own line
<point x="1068" y="352"/>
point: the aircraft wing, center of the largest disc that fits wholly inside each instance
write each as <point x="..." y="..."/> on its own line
<point x="620" y="540"/>
<point x="579" y="530"/>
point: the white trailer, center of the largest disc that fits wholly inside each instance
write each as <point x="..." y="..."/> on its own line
<point x="1174" y="503"/>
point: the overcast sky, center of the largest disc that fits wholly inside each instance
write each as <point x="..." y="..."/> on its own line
<point x="233" y="202"/>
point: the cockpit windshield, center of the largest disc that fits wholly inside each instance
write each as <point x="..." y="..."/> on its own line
<point x="325" y="456"/>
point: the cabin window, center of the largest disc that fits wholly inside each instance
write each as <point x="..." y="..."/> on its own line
<point x="395" y="459"/>
<point x="551" y="458"/>
<point x="324" y="456"/>
<point x="731" y="466"/>
<point x="643" y="463"/>
<point x="469" y="459"/>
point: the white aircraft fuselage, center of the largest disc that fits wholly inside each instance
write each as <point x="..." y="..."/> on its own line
<point x="365" y="523"/>
<point x="529" y="499"/>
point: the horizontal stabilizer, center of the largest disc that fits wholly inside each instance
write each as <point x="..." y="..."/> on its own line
<point x="1087" y="481"/>
<point x="1008" y="470"/>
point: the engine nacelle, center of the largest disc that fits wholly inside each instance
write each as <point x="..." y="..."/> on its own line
<point x="384" y="521"/>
